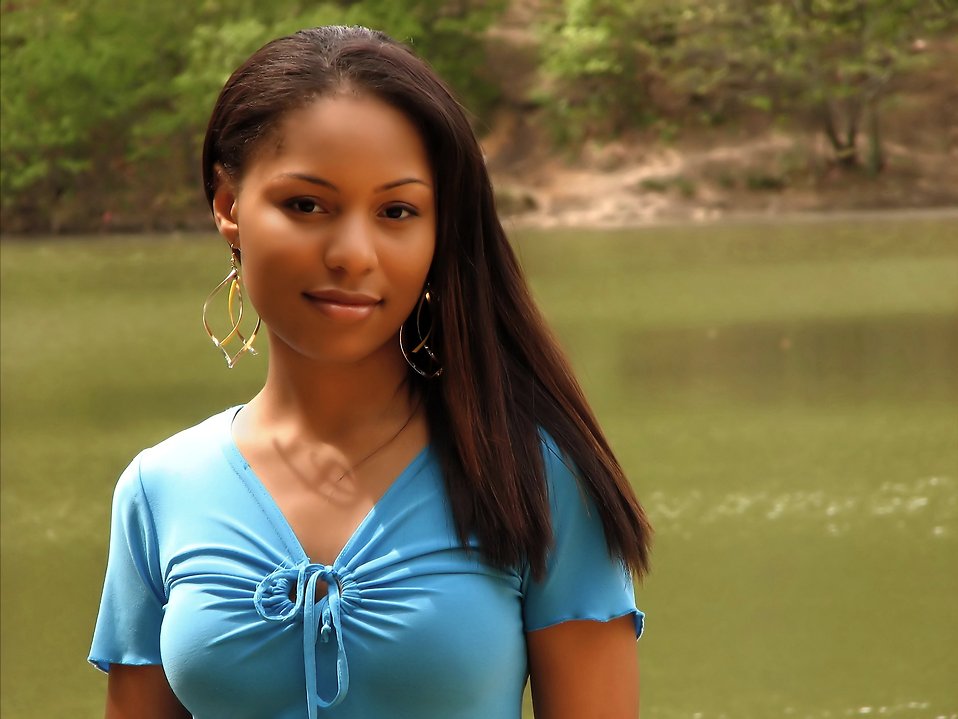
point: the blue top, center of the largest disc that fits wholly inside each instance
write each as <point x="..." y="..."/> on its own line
<point x="206" y="577"/>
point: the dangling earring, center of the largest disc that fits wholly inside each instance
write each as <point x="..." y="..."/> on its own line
<point x="234" y="306"/>
<point x="422" y="351"/>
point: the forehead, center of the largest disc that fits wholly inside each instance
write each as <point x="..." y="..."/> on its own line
<point x="345" y="133"/>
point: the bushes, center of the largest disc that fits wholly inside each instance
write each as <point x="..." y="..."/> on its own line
<point x="602" y="59"/>
<point x="614" y="65"/>
<point x="104" y="104"/>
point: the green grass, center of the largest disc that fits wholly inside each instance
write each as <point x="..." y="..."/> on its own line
<point x="782" y="394"/>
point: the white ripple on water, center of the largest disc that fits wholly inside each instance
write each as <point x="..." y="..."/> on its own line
<point x="903" y="710"/>
<point x="932" y="502"/>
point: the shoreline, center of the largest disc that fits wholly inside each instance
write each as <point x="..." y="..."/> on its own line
<point x="518" y="224"/>
<point x="747" y="217"/>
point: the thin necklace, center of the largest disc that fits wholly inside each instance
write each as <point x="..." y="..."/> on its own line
<point x="405" y="424"/>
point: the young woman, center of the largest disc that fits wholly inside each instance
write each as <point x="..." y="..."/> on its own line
<point x="418" y="510"/>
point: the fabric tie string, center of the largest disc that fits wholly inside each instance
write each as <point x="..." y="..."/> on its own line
<point x="273" y="603"/>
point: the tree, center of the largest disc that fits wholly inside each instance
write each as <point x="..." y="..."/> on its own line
<point x="75" y="77"/>
<point x="104" y="104"/>
<point x="830" y="60"/>
<point x="601" y="59"/>
<point x="833" y="60"/>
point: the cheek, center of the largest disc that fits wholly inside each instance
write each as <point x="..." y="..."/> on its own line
<point x="410" y="268"/>
<point x="424" y="250"/>
<point x="270" y="272"/>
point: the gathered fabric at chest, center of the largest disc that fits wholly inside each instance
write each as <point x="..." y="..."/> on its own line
<point x="397" y="613"/>
<point x="274" y="602"/>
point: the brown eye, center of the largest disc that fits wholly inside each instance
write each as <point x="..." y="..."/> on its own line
<point x="305" y="205"/>
<point x="399" y="212"/>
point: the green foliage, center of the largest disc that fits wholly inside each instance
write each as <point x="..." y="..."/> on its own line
<point x="763" y="182"/>
<point x="659" y="184"/>
<point x="74" y="78"/>
<point x="602" y="57"/>
<point x="104" y="104"/>
<point x="835" y="58"/>
<point x="618" y="65"/>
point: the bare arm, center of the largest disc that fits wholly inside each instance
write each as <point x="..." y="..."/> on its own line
<point x="585" y="669"/>
<point x="141" y="692"/>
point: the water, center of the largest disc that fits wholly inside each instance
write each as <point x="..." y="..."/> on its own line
<point x="784" y="396"/>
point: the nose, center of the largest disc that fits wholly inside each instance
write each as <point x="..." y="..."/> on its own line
<point x="350" y="246"/>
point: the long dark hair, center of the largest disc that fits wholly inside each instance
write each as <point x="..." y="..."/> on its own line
<point x="505" y="378"/>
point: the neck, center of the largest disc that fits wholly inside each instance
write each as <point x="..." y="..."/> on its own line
<point x="328" y="402"/>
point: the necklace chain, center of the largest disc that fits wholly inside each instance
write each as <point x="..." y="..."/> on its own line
<point x="382" y="446"/>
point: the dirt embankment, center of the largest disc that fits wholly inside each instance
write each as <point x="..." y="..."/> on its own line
<point x="753" y="166"/>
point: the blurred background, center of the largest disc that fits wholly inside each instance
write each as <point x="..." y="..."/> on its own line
<point x="740" y="217"/>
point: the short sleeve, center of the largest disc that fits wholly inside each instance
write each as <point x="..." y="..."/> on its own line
<point x="131" y="607"/>
<point x="582" y="580"/>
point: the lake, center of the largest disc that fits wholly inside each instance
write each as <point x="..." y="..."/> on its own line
<point x="783" y="394"/>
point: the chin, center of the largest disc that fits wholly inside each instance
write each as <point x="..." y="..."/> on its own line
<point x="351" y="355"/>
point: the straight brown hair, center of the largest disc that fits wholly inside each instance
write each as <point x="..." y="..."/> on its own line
<point x="505" y="380"/>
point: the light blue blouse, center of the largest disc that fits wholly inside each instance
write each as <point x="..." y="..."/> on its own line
<point x="203" y="568"/>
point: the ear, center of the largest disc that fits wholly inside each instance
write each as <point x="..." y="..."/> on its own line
<point x="224" y="207"/>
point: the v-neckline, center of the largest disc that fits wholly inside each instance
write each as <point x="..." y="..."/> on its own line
<point x="275" y="514"/>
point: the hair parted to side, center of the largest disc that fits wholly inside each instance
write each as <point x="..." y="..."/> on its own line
<point x="505" y="378"/>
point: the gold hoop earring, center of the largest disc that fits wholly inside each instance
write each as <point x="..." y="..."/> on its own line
<point x="234" y="307"/>
<point x="422" y="351"/>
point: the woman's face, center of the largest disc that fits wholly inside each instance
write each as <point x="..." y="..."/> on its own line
<point x="335" y="217"/>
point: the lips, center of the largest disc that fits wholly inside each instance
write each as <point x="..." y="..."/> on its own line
<point x="342" y="305"/>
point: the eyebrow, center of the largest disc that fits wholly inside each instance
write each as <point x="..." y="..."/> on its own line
<point x="312" y="179"/>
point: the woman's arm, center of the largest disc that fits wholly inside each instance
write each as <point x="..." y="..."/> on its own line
<point x="585" y="669"/>
<point x="141" y="692"/>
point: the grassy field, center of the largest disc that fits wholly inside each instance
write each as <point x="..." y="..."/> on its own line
<point x="784" y="396"/>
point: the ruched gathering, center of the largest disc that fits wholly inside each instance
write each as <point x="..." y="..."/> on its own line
<point x="322" y="620"/>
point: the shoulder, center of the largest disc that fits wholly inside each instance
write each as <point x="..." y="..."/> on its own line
<point x="192" y="452"/>
<point x="582" y="579"/>
<point x="562" y="476"/>
<point x="575" y="519"/>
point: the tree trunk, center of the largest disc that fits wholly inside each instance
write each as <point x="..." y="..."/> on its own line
<point x="876" y="153"/>
<point x="845" y="147"/>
